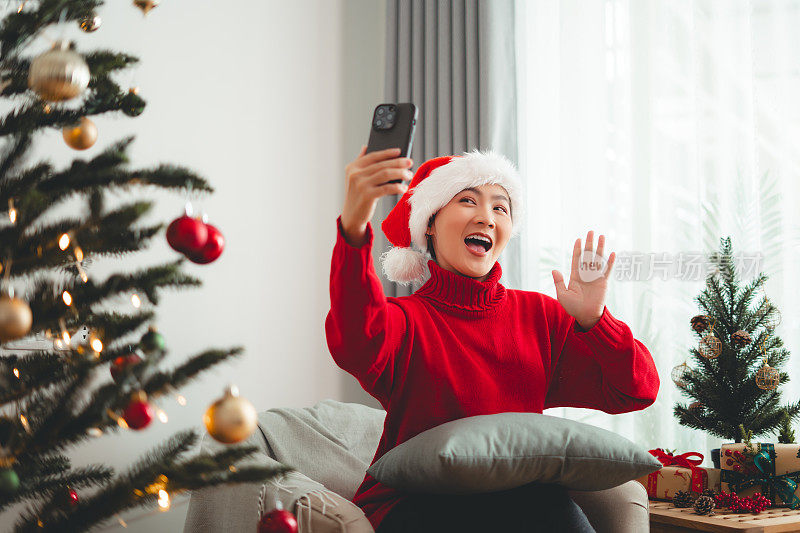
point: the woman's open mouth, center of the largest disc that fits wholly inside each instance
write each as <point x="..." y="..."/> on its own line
<point x="478" y="244"/>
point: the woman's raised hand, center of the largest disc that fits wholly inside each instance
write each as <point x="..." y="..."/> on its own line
<point x="367" y="179"/>
<point x="584" y="299"/>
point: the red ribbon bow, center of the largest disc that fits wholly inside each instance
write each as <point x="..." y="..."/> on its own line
<point x="682" y="460"/>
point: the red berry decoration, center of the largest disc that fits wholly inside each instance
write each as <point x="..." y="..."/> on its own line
<point x="278" y="521"/>
<point x="212" y="248"/>
<point x="138" y="414"/>
<point x="186" y="234"/>
<point x="122" y="364"/>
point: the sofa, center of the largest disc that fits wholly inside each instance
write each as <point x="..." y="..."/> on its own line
<point x="330" y="446"/>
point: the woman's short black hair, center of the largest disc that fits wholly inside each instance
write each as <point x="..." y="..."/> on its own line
<point x="431" y="251"/>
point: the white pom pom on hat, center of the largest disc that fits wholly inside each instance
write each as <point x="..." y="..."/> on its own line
<point x="433" y="186"/>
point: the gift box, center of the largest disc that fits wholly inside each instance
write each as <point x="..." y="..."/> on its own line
<point x="714" y="479"/>
<point x="774" y="472"/>
<point x="680" y="472"/>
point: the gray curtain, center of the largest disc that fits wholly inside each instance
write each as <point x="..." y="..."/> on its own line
<point x="455" y="60"/>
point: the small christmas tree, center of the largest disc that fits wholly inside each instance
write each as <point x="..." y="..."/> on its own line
<point x="736" y="378"/>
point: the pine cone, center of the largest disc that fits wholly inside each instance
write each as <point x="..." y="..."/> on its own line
<point x="682" y="498"/>
<point x="740" y="339"/>
<point x="703" y="505"/>
<point x="700" y="323"/>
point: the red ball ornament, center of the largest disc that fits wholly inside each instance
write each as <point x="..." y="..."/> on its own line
<point x="123" y="363"/>
<point x="278" y="521"/>
<point x="138" y="414"/>
<point x="212" y="248"/>
<point x="186" y="234"/>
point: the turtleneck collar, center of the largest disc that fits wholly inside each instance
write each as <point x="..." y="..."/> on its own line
<point x="462" y="292"/>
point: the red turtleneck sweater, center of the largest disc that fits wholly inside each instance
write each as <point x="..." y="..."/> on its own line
<point x="458" y="347"/>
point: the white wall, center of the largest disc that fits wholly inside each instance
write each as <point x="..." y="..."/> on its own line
<point x="268" y="100"/>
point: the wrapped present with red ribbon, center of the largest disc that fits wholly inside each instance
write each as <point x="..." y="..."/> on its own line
<point x="680" y="472"/>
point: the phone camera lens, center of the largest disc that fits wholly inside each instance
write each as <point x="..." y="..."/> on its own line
<point x="390" y="116"/>
<point x="379" y="123"/>
<point x="380" y="111"/>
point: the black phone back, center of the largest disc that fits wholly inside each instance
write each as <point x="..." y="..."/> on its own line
<point x="393" y="127"/>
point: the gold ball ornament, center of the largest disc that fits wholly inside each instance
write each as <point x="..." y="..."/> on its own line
<point x="59" y="74"/>
<point x="82" y="135"/>
<point x="230" y="419"/>
<point x="16" y="318"/>
<point x="767" y="378"/>
<point x="710" y="347"/>
<point x="145" y="5"/>
<point x="680" y="373"/>
<point x="90" y="23"/>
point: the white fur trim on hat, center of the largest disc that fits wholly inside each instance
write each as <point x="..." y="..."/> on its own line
<point x="472" y="169"/>
<point x="403" y="265"/>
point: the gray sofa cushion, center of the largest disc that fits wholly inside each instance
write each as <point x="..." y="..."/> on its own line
<point x="506" y="450"/>
<point x="332" y="442"/>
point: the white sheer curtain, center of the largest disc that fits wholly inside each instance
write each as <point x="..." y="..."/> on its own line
<point x="665" y="125"/>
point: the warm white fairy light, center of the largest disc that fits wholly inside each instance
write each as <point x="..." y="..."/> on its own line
<point x="67" y="297"/>
<point x="121" y="423"/>
<point x="63" y="242"/>
<point x="181" y="400"/>
<point x="122" y="522"/>
<point x="136" y="301"/>
<point x="65" y="335"/>
<point x="162" y="416"/>
<point x="82" y="273"/>
<point x="12" y="212"/>
<point x="95" y="432"/>
<point x="16" y="372"/>
<point x="97" y="345"/>
<point x="24" y="421"/>
<point x="78" y="253"/>
<point x="163" y="500"/>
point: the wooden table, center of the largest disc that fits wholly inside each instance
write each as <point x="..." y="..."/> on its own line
<point x="665" y="518"/>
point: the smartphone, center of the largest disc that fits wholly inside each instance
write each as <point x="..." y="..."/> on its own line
<point x="393" y="127"/>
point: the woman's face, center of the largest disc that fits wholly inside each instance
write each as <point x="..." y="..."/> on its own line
<point x="484" y="210"/>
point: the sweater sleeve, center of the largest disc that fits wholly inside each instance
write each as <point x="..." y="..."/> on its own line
<point x="364" y="331"/>
<point x="601" y="368"/>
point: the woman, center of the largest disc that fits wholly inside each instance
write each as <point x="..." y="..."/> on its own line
<point x="462" y="344"/>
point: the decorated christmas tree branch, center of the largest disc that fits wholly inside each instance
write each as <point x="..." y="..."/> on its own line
<point x="20" y="28"/>
<point x="184" y="373"/>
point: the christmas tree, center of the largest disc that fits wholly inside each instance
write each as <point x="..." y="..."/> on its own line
<point x="736" y="378"/>
<point x="60" y="394"/>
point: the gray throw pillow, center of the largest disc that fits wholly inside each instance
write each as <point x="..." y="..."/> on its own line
<point x="488" y="453"/>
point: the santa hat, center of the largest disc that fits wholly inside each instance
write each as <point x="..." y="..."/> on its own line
<point x="433" y="186"/>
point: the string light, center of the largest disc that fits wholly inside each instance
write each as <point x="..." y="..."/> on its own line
<point x="63" y="242"/>
<point x="97" y="345"/>
<point x="67" y="297"/>
<point x="181" y="400"/>
<point x="78" y="254"/>
<point x="19" y="10"/>
<point x="12" y="213"/>
<point x="122" y="522"/>
<point x="136" y="301"/>
<point x="163" y="500"/>
<point x="25" y="424"/>
<point x="162" y="416"/>
<point x="16" y="372"/>
<point x="95" y="432"/>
